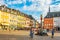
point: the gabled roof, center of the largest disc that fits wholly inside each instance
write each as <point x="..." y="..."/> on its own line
<point x="20" y="13"/>
<point x="52" y="14"/>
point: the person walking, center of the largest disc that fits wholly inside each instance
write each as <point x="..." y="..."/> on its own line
<point x="52" y="33"/>
<point x="31" y="33"/>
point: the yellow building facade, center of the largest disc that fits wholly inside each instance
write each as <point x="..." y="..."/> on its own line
<point x="11" y="19"/>
<point x="4" y="19"/>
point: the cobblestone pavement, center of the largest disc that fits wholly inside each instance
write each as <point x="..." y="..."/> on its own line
<point x="24" y="37"/>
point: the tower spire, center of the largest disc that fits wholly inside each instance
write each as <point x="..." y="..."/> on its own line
<point x="49" y="8"/>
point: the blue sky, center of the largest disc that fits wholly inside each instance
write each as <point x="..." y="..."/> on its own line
<point x="33" y="7"/>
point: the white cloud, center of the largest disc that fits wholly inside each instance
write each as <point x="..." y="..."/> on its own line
<point x="55" y="8"/>
<point x="2" y="2"/>
<point x="42" y="6"/>
<point x="32" y="8"/>
<point x="35" y="6"/>
<point x="15" y="2"/>
<point x="36" y="17"/>
<point x="45" y="10"/>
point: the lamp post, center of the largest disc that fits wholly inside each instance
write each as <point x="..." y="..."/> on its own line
<point x="41" y="21"/>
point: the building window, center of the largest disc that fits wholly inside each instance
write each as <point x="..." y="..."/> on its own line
<point x="49" y="24"/>
<point x="2" y="9"/>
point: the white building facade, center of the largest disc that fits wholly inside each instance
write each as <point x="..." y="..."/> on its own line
<point x="56" y="21"/>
